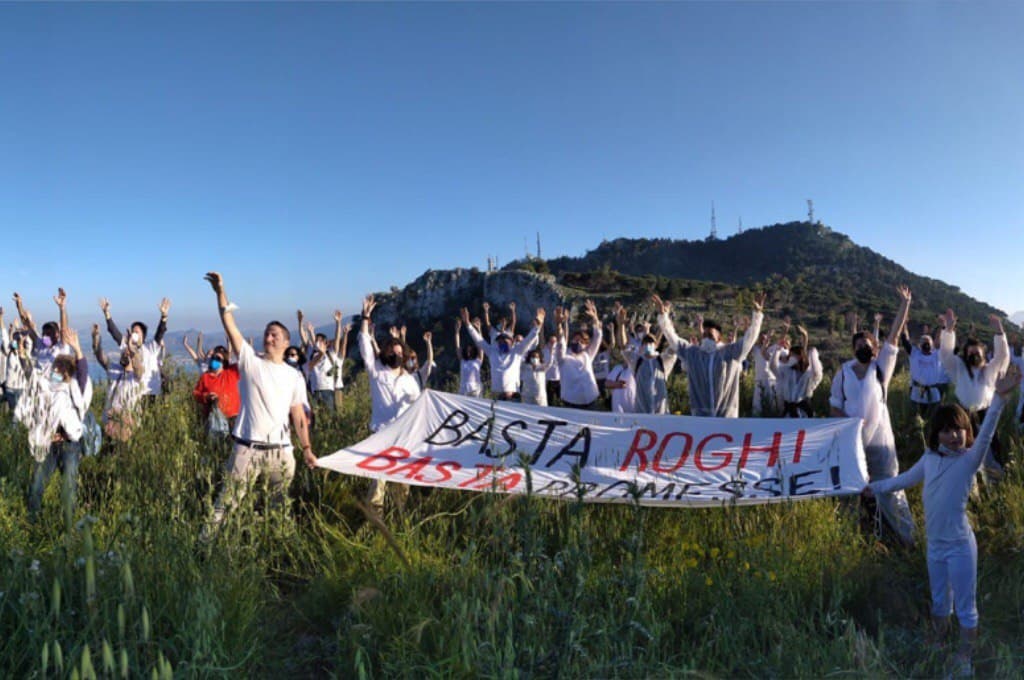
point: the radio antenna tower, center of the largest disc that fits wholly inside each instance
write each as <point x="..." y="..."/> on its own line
<point x="810" y="211"/>
<point x="714" y="224"/>
<point x="538" y="245"/>
<point x="741" y="226"/>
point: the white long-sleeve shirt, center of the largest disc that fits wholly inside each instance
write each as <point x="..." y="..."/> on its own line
<point x="865" y="397"/>
<point x="975" y="387"/>
<point x="947" y="476"/>
<point x="579" y="386"/>
<point x="391" y="392"/>
<point x="469" y="377"/>
<point x="762" y="371"/>
<point x="504" y="365"/>
<point x="794" y="386"/>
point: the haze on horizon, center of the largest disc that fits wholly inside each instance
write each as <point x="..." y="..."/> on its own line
<point x="317" y="152"/>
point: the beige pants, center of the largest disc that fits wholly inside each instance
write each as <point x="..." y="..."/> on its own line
<point x="377" y="490"/>
<point x="244" y="466"/>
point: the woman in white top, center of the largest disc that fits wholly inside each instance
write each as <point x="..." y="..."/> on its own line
<point x="576" y="359"/>
<point x="974" y="377"/>
<point x="859" y="391"/>
<point x="534" y="378"/>
<point x="470" y="364"/>
<point x="412" y="363"/>
<point x="326" y="363"/>
<point x="620" y="383"/>
<point x="798" y="373"/>
<point x="124" y="388"/>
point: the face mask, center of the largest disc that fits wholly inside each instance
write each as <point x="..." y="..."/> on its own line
<point x="650" y="350"/>
<point x="56" y="378"/>
<point x="391" y="360"/>
<point x="535" y="362"/>
<point x="575" y="348"/>
<point x="411" y="364"/>
<point x="136" y="339"/>
<point x="504" y="347"/>
<point x="47" y="342"/>
<point x="291" y="361"/>
<point x="926" y="348"/>
<point x="864" y="354"/>
<point x="974" y="360"/>
<point x="215" y="364"/>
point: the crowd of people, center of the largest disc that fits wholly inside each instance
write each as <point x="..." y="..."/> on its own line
<point x="262" y="400"/>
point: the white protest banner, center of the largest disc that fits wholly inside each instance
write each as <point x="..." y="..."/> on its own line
<point x="456" y="442"/>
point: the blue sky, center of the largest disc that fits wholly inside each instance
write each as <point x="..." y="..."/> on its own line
<point x="315" y="152"/>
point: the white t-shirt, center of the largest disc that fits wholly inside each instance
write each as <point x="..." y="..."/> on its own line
<point x="623" y="398"/>
<point x="267" y="392"/>
<point x="326" y="375"/>
<point x="390" y="392"/>
<point x="124" y="390"/>
<point x="469" y="377"/>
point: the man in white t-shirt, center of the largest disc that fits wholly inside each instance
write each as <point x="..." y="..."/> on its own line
<point x="148" y="350"/>
<point x="271" y="394"/>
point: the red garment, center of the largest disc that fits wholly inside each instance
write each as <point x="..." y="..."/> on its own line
<point x="224" y="385"/>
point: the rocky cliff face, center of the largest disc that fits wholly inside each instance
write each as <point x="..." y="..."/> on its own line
<point x="437" y="296"/>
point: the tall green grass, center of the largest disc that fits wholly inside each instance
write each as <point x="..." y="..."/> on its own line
<point x="457" y="584"/>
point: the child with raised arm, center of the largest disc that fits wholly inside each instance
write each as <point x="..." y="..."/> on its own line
<point x="947" y="470"/>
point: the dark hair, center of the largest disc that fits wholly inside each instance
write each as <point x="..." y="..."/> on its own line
<point x="389" y="344"/>
<point x="802" y="360"/>
<point x="320" y="336"/>
<point x="221" y="349"/>
<point x="470" y="352"/>
<point x="284" y="329"/>
<point x="535" y="352"/>
<point x="64" y="364"/>
<point x="971" y="343"/>
<point x="51" y="328"/>
<point x="298" y="350"/>
<point x="863" y="335"/>
<point x="142" y="327"/>
<point x="584" y="335"/>
<point x="647" y="338"/>
<point x="951" y="416"/>
<point x="709" y="323"/>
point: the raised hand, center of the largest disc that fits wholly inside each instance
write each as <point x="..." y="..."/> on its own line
<point x="512" y="306"/>
<point x="996" y="323"/>
<point x="458" y="321"/>
<point x="948" y="320"/>
<point x="487" y="306"/>
<point x="60" y="298"/>
<point x="70" y="337"/>
<point x="368" y="305"/>
<point x="165" y="306"/>
<point x="1009" y="381"/>
<point x="95" y="332"/>
<point x="428" y="336"/>
<point x="337" y="315"/>
<point x="662" y="306"/>
<point x="393" y="332"/>
<point x="591" y="311"/>
<point x="759" y="300"/>
<point x="904" y="293"/>
<point x="105" y="306"/>
<point x="539" y="315"/>
<point x="878" y="317"/>
<point x="215" y="279"/>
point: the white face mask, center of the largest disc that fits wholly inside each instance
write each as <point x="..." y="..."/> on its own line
<point x="410" y="364"/>
<point x="535" y="361"/>
<point x="136" y="338"/>
<point x="650" y="350"/>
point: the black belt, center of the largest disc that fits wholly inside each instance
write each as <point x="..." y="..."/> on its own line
<point x="259" y="446"/>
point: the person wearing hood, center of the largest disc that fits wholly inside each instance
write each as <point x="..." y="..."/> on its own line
<point x="504" y="355"/>
<point x="928" y="378"/>
<point x="859" y="390"/>
<point x="974" y="378"/>
<point x="714" y="369"/>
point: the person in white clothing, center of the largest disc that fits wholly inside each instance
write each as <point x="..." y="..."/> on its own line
<point x="553" y="377"/>
<point x="47" y="345"/>
<point x="714" y="370"/>
<point x="576" y="359"/>
<point x="798" y="372"/>
<point x="152" y="384"/>
<point x="504" y="356"/>
<point x="271" y="395"/>
<point x="470" y="365"/>
<point x="392" y="388"/>
<point x="928" y="378"/>
<point x="422" y="372"/>
<point x="859" y="390"/>
<point x="533" y="388"/>
<point x="947" y="470"/>
<point x="974" y="378"/>
<point x="325" y="365"/>
<point x="124" y="388"/>
<point x="1017" y="359"/>
<point x="766" y="399"/>
<point x="620" y="383"/>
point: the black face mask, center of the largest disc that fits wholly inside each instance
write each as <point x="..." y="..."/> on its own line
<point x="864" y="354"/>
<point x="974" y="360"/>
<point x="926" y="348"/>
<point x="391" y="360"/>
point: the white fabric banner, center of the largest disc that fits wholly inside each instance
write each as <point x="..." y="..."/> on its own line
<point x="457" y="442"/>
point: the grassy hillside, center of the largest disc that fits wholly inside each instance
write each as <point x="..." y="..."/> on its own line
<point x="460" y="584"/>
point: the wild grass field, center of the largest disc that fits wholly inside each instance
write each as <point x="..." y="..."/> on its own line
<point x="461" y="584"/>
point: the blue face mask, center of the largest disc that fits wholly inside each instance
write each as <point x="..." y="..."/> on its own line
<point x="503" y="347"/>
<point x="215" y="364"/>
<point x="575" y="348"/>
<point x="56" y="378"/>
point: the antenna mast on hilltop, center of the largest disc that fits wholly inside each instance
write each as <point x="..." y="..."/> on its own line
<point x="810" y="211"/>
<point x="714" y="224"/>
<point x="740" y="230"/>
<point x="538" y="245"/>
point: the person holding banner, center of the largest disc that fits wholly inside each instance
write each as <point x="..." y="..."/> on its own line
<point x="505" y="357"/>
<point x="859" y="391"/>
<point x="947" y="470"/>
<point x="576" y="361"/>
<point x="392" y="388"/>
<point x="714" y="370"/>
<point x="271" y="393"/>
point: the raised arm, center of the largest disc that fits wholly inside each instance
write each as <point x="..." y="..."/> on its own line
<point x="753" y="331"/>
<point x="337" y="332"/>
<point x="161" y="328"/>
<point x="188" y="348"/>
<point x="1004" y="387"/>
<point x="900" y="320"/>
<point x="664" y="308"/>
<point x="474" y="333"/>
<point x="947" y="345"/>
<point x="458" y="340"/>
<point x="1000" y="347"/>
<point x="112" y="328"/>
<point x="876" y="330"/>
<point x="226" y="310"/>
<point x="487" y="318"/>
<point x="344" y="344"/>
<point x="302" y="328"/>
<point x="26" y="320"/>
<point x="595" y="327"/>
<point x="428" y="366"/>
<point x="512" y="317"/>
<point x="70" y="338"/>
<point x="61" y="299"/>
<point x="97" y="347"/>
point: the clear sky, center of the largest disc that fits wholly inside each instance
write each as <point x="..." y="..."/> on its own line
<point x="315" y="152"/>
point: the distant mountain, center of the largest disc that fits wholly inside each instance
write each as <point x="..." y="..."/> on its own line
<point x="1018" y="318"/>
